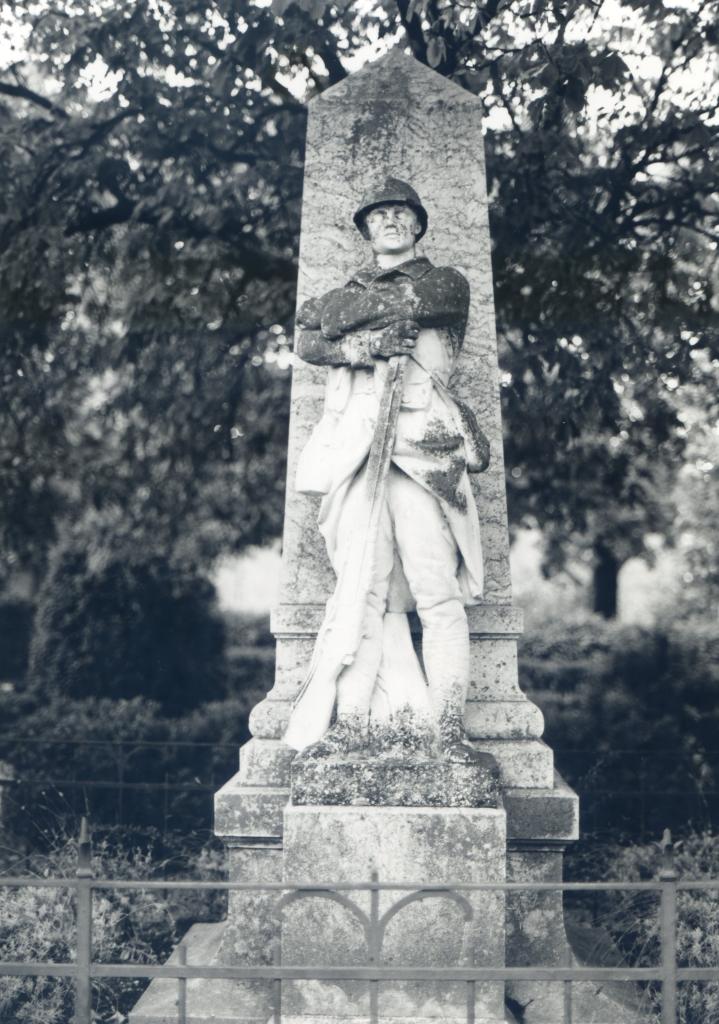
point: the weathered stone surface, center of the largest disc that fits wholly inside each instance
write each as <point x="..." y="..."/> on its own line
<point x="391" y="134"/>
<point x="248" y="811"/>
<point x="265" y="763"/>
<point x="268" y="719"/>
<point x="493" y="671"/>
<point x="550" y="815"/>
<point x="522" y="763"/>
<point x="314" y="1018"/>
<point x="208" y="1002"/>
<point x="517" y="719"/>
<point x="401" y="783"/>
<point x="404" y="845"/>
<point x="293" y="620"/>
<point x="252" y="926"/>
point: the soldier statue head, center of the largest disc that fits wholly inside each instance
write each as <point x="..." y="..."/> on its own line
<point x="392" y="218"/>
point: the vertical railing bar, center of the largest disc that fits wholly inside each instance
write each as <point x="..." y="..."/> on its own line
<point x="471" y="1000"/>
<point x="567" y="993"/>
<point x="277" y="982"/>
<point x="182" y="986"/>
<point x="277" y="1000"/>
<point x="83" y="874"/>
<point x="668" y="910"/>
<point x="374" y="948"/>
<point x="120" y="803"/>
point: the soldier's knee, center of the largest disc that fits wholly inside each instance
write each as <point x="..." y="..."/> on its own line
<point x="447" y="615"/>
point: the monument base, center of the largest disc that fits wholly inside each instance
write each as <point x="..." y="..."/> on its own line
<point x="334" y="843"/>
<point x="408" y="845"/>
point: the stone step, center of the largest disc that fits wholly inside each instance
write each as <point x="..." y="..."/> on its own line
<point x="265" y="762"/>
<point x="216" y="1001"/>
<point x="503" y="719"/>
<point x="525" y="764"/>
<point x="542" y="815"/>
<point x="249" y="811"/>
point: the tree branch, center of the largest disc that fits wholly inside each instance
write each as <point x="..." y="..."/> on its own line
<point x="22" y="92"/>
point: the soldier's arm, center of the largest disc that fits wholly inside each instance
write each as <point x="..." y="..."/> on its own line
<point x="353" y="308"/>
<point x="442" y="298"/>
<point x="315" y="347"/>
<point x="438" y="299"/>
<point x="350" y="350"/>
<point x="356" y="348"/>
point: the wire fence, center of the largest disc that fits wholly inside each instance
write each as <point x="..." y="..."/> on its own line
<point x="169" y="784"/>
<point x="83" y="971"/>
<point x="166" y="784"/>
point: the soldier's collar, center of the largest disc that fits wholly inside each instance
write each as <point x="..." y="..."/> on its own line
<point x="414" y="268"/>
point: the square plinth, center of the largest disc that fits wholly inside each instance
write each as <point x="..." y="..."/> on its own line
<point x="417" y="847"/>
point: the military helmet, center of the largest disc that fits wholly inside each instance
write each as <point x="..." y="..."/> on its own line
<point x="391" y="190"/>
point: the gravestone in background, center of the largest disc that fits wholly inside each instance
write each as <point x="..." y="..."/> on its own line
<point x="395" y="116"/>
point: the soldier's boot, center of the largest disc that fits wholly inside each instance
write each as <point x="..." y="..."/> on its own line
<point x="349" y="734"/>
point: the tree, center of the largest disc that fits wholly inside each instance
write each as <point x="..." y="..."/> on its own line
<point x="155" y="155"/>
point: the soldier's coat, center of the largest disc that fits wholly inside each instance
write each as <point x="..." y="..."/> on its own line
<point x="430" y="441"/>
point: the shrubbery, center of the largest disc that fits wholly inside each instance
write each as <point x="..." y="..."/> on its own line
<point x="129" y="926"/>
<point x="633" y="717"/>
<point x="125" y="629"/>
<point x="630" y="920"/>
<point x="104" y="724"/>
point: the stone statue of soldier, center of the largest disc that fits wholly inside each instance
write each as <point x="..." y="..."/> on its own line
<point x="404" y="536"/>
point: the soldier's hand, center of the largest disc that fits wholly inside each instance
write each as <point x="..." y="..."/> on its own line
<point x="399" y="339"/>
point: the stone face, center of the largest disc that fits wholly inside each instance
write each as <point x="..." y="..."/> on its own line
<point x="251" y="931"/>
<point x="403" y="845"/>
<point x="504" y="720"/>
<point x="216" y="1002"/>
<point x="265" y="762"/>
<point x="248" y="811"/>
<point x="549" y="815"/>
<point x="294" y="620"/>
<point x="402" y="783"/>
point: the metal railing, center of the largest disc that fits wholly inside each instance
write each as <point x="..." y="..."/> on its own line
<point x="83" y="970"/>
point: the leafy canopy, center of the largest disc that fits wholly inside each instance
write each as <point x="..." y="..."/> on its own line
<point x="149" y="225"/>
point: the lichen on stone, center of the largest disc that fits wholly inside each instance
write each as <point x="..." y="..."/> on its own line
<point x="404" y="734"/>
<point x="444" y="483"/>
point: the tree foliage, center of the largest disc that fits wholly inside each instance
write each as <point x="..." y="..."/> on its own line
<point x="148" y="231"/>
<point x="121" y="629"/>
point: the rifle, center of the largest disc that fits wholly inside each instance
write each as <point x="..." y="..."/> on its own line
<point x="341" y="633"/>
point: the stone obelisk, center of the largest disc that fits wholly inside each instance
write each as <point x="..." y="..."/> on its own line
<point x="394" y="116"/>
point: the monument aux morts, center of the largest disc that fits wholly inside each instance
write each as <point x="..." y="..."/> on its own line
<point x="395" y="743"/>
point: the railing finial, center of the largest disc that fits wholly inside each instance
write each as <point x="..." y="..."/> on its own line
<point x="667" y="848"/>
<point x="84" y="851"/>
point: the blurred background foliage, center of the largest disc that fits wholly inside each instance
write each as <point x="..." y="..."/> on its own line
<point x="149" y="225"/>
<point x="149" y="222"/>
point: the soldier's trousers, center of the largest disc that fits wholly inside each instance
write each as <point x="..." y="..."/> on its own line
<point x="414" y="528"/>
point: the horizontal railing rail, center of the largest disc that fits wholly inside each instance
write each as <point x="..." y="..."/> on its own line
<point x="83" y="970"/>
